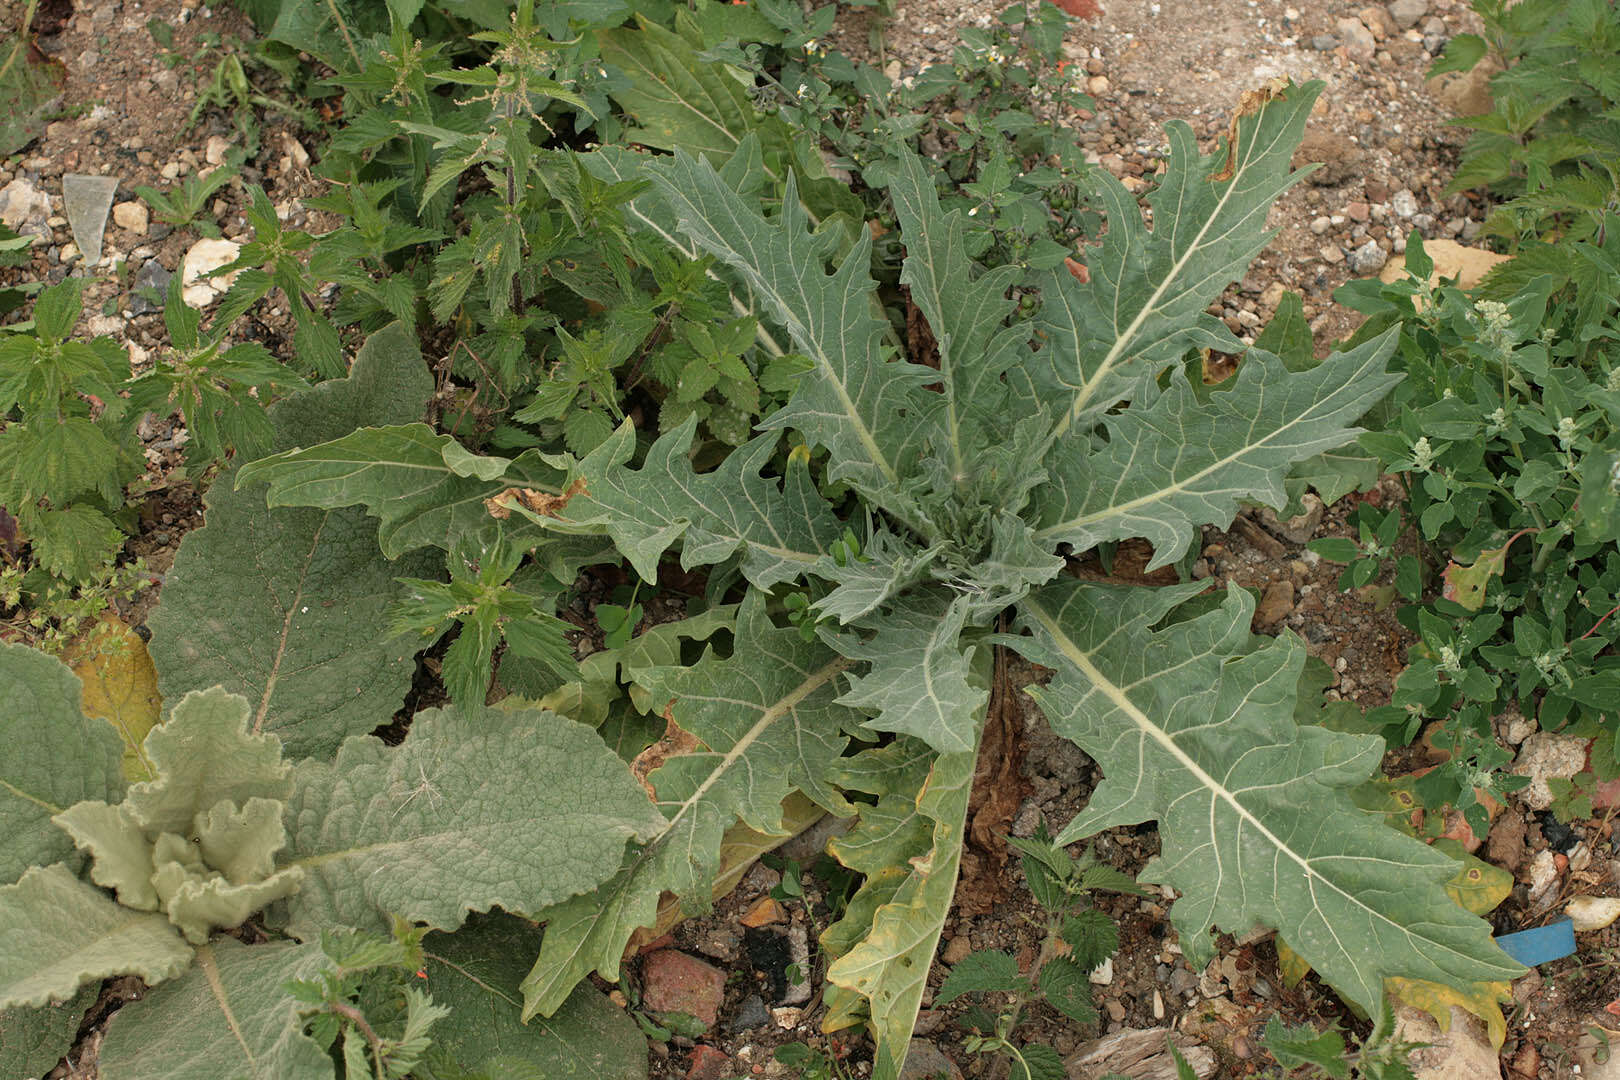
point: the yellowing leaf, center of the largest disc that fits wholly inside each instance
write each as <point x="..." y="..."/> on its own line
<point x="1292" y="965"/>
<point x="1477" y="886"/>
<point x="1484" y="1000"/>
<point x="120" y="687"/>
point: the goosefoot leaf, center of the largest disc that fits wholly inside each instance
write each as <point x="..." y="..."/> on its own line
<point x="265" y="602"/>
<point x="54" y="758"/>
<point x="519" y="809"/>
<point x="1193" y="726"/>
<point x="764" y="723"/>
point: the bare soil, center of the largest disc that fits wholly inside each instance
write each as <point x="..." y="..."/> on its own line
<point x="1379" y="131"/>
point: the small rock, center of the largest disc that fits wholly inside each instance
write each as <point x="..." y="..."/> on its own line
<point x="1324" y="43"/>
<point x="170" y="170"/>
<point x="1139" y="1053"/>
<point x="151" y="284"/>
<point x="1276" y="604"/>
<point x="215" y="149"/>
<point x="1116" y="1010"/>
<point x="1377" y="20"/>
<point x="708" y="1063"/>
<point x="1332" y="253"/>
<point x="956" y="950"/>
<point x="787" y="1017"/>
<point x="1359" y="44"/>
<point x="675" y="982"/>
<point x="1592" y="912"/>
<point x="1546" y="756"/>
<point x="1103" y="973"/>
<point x="1406" y="13"/>
<point x="131" y="217"/>
<point x="1273" y="294"/>
<point x="1097" y="85"/>
<point x="765" y="912"/>
<point x="1321" y="224"/>
<point x="1466" y="93"/>
<point x="1158" y="1005"/>
<point x="925" y="1061"/>
<point x="25" y="209"/>
<point x="1339" y="157"/>
<point x="206" y="255"/>
<point x="1367" y="259"/>
<point x="1357" y="211"/>
<point x="1299" y="529"/>
<point x="750" y="1014"/>
<point x="1404" y="203"/>
<point x="1543" y="880"/>
<point x="1505" y="846"/>
<point x="1463" y="1052"/>
<point x="1451" y="259"/>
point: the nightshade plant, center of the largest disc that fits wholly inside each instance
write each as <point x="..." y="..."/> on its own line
<point x="964" y="488"/>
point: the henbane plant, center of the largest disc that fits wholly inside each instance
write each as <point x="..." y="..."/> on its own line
<point x="968" y="486"/>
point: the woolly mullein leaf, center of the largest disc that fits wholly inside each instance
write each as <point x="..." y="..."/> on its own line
<point x="265" y="602"/>
<point x="765" y="723"/>
<point x="518" y="808"/>
<point x="55" y="757"/>
<point x="780" y="528"/>
<point x="229" y="1016"/>
<point x="58" y="933"/>
<point x="1193" y="726"/>
<point x="864" y="408"/>
<point x="1143" y="307"/>
<point x="1176" y="464"/>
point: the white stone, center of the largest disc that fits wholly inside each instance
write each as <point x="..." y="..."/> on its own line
<point x="1592" y="912"/>
<point x="1462" y="1053"/>
<point x="24" y="208"/>
<point x="215" y="149"/>
<point x="1546" y="756"/>
<point x="1404" y="203"/>
<point x="206" y="255"/>
<point x="1103" y="973"/>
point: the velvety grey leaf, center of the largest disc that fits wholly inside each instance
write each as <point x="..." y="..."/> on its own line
<point x="286" y="606"/>
<point x="32" y="1041"/>
<point x="54" y="757"/>
<point x="228" y="1018"/>
<point x="477" y="972"/>
<point x="517" y="808"/>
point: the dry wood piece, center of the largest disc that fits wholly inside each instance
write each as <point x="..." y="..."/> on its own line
<point x="1139" y="1053"/>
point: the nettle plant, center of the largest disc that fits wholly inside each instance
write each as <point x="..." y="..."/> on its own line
<point x="965" y="487"/>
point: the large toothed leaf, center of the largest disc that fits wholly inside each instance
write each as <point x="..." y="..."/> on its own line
<point x="517" y="808"/>
<point x="918" y="680"/>
<point x="227" y="1017"/>
<point x="766" y="723"/>
<point x="475" y="973"/>
<point x="889" y="967"/>
<point x="1174" y="465"/>
<point x="266" y="602"/>
<point x="853" y="399"/>
<point x="781" y="527"/>
<point x="426" y="489"/>
<point x="1143" y="307"/>
<point x="966" y="315"/>
<point x="58" y="933"/>
<point x="53" y="758"/>
<point x="1193" y="727"/>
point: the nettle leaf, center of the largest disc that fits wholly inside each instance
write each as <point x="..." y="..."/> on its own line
<point x="1175" y="465"/>
<point x="980" y="973"/>
<point x="1143" y="307"/>
<point x="518" y="808"/>
<point x="265" y="602"/>
<point x="853" y="400"/>
<point x="58" y="933"/>
<point x="766" y="723"/>
<point x="425" y="488"/>
<point x="476" y="972"/>
<point x="229" y="1016"/>
<point x="1193" y="726"/>
<point x="781" y="528"/>
<point x="54" y="757"/>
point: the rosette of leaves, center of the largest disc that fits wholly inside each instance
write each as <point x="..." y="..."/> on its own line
<point x="969" y="483"/>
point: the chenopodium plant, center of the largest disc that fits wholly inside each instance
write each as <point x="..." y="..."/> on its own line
<point x="969" y="483"/>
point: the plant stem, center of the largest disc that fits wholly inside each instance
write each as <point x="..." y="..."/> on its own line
<point x="358" y="1019"/>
